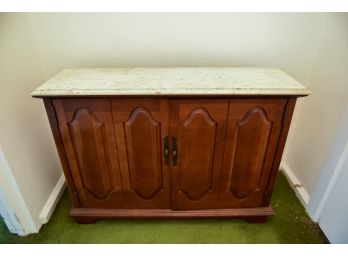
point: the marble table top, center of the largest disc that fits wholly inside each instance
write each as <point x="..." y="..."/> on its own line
<point x="170" y="81"/>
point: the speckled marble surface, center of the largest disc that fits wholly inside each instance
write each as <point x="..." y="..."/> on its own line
<point x="171" y="81"/>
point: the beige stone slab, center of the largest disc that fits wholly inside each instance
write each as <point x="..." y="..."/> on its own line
<point x="171" y="81"/>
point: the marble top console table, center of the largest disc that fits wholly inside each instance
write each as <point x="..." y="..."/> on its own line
<point x="170" y="142"/>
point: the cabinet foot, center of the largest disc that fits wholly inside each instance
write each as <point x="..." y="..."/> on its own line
<point x="85" y="220"/>
<point x="261" y="219"/>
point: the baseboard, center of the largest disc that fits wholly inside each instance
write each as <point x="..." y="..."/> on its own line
<point x="295" y="184"/>
<point x="52" y="200"/>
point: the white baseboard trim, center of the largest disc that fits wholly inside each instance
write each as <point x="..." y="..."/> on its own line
<point x="52" y="201"/>
<point x="295" y="184"/>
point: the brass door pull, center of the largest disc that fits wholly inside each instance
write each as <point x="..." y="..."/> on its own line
<point x="174" y="151"/>
<point x="166" y="150"/>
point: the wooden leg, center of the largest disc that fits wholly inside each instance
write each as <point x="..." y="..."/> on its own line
<point x="85" y="220"/>
<point x="256" y="219"/>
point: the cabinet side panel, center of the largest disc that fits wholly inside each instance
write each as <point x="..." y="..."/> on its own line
<point x="61" y="151"/>
<point x="286" y="121"/>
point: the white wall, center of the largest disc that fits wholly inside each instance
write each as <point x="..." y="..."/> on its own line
<point x="321" y="113"/>
<point x="334" y="220"/>
<point x="24" y="131"/>
<point x="328" y="205"/>
<point x="38" y="45"/>
<point x="287" y="41"/>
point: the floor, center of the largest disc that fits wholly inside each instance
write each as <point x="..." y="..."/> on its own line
<point x="290" y="224"/>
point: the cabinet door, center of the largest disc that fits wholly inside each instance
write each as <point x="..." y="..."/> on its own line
<point x="252" y="134"/>
<point x="140" y="127"/>
<point x="197" y="129"/>
<point x="88" y="135"/>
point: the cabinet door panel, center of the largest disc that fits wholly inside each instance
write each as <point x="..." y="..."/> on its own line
<point x="199" y="129"/>
<point x="252" y="135"/>
<point x="87" y="130"/>
<point x="140" y="126"/>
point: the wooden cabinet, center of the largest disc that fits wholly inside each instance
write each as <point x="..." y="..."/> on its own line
<point x="168" y="153"/>
<point x="171" y="154"/>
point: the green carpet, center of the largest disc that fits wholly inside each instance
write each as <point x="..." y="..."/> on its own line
<point x="289" y="225"/>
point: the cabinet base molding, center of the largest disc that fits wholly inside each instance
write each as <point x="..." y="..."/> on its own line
<point x="89" y="215"/>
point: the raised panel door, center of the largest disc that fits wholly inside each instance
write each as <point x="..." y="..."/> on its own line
<point x="252" y="135"/>
<point x="140" y="127"/>
<point x="87" y="131"/>
<point x="197" y="130"/>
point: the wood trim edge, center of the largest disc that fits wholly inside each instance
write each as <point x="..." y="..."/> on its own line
<point x="168" y="213"/>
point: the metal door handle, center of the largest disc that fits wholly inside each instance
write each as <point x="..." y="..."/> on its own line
<point x="166" y="150"/>
<point x="174" y="151"/>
